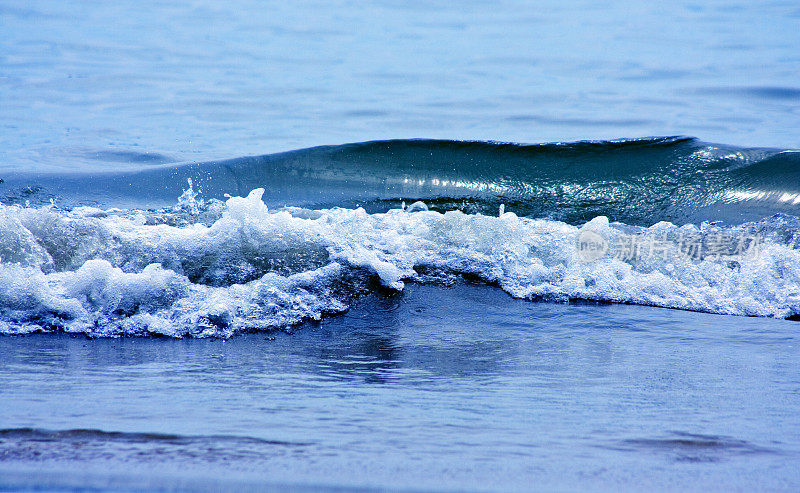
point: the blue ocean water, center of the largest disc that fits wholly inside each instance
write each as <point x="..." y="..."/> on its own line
<point x="338" y="246"/>
<point x="457" y="388"/>
<point x="136" y="83"/>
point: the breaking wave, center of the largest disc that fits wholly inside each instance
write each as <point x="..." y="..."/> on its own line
<point x="215" y="269"/>
<point x="102" y="255"/>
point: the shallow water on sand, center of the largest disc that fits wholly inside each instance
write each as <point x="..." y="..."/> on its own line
<point x="454" y="387"/>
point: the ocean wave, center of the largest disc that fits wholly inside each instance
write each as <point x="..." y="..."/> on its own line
<point x="635" y="181"/>
<point x="207" y="268"/>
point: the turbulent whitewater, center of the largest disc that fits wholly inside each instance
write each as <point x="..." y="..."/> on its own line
<point x="213" y="267"/>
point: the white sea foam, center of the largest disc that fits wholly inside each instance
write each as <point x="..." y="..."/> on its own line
<point x="214" y="271"/>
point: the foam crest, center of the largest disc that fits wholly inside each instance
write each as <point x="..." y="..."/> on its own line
<point x="218" y="269"/>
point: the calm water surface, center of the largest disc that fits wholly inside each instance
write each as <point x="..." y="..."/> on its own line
<point x="453" y="388"/>
<point x="136" y="83"/>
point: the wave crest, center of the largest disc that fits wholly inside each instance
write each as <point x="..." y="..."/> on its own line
<point x="636" y="181"/>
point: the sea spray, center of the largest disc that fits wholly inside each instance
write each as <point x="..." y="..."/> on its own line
<point x="130" y="272"/>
